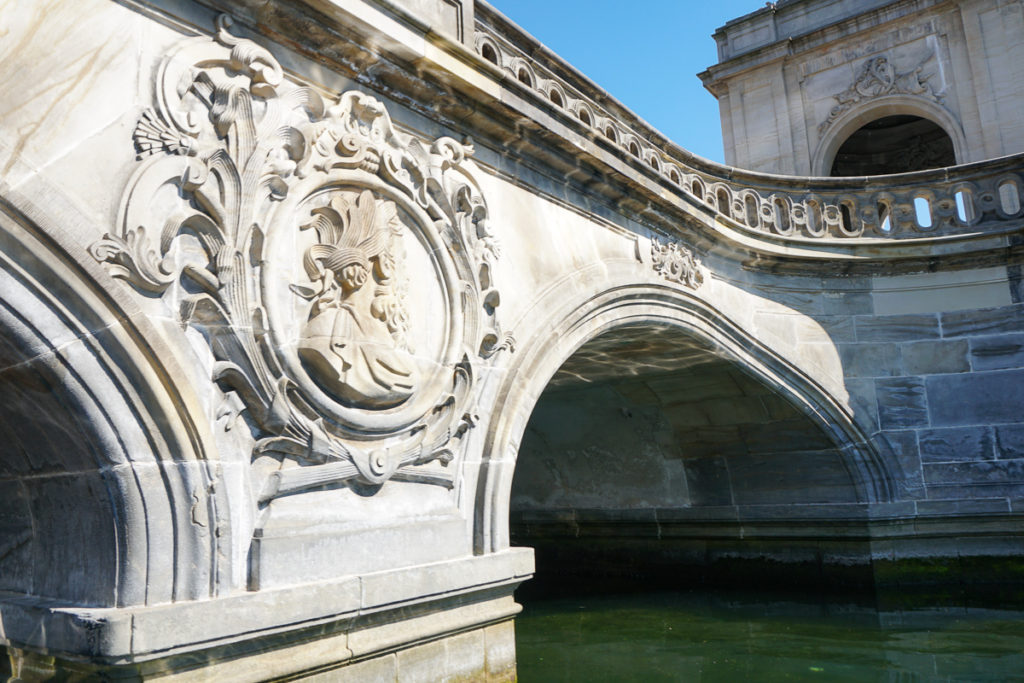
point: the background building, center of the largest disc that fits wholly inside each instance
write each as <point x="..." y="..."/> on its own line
<point x="832" y="87"/>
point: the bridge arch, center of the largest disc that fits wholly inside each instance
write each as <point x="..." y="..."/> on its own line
<point x="641" y="305"/>
<point x="108" y="499"/>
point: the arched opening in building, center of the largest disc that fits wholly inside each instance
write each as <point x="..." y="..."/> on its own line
<point x="653" y="460"/>
<point x="894" y="144"/>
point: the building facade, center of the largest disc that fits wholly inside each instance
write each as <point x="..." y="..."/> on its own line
<point x="829" y="87"/>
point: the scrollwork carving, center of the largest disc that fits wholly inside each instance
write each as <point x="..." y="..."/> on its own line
<point x="284" y="217"/>
<point x="877" y="77"/>
<point x="676" y="263"/>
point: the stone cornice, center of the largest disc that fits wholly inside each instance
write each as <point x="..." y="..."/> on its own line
<point x="816" y="36"/>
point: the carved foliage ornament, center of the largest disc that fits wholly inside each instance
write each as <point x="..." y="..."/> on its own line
<point x="877" y="77"/>
<point x="676" y="263"/>
<point x="339" y="270"/>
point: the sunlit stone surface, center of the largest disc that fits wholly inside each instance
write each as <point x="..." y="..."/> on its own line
<point x="304" y="306"/>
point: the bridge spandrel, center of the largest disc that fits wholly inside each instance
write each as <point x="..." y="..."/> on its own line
<point x="316" y="306"/>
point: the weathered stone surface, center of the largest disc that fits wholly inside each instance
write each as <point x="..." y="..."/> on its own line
<point x="956" y="444"/>
<point x="767" y="478"/>
<point x="870" y="360"/>
<point x="901" y="402"/>
<point x="863" y="402"/>
<point x="961" y="490"/>
<point x="935" y="357"/>
<point x="983" y="321"/>
<point x="896" y="328"/>
<point x="997" y="352"/>
<point x="839" y="328"/>
<point x="977" y="398"/>
<point x="848" y="303"/>
<point x="966" y="473"/>
<point x="963" y="507"/>
<point x="708" y="479"/>
<point x="1009" y="441"/>
<point x="907" y="453"/>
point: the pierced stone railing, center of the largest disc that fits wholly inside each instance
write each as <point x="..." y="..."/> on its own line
<point x="981" y="197"/>
<point x="962" y="200"/>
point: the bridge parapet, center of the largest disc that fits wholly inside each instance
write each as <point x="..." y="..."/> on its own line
<point x="983" y="197"/>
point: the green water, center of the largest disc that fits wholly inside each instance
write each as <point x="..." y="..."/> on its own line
<point x="730" y="637"/>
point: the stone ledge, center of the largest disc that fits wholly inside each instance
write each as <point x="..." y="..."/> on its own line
<point x="840" y="522"/>
<point x="137" y="634"/>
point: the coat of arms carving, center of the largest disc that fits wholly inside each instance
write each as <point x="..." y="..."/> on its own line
<point x="338" y="269"/>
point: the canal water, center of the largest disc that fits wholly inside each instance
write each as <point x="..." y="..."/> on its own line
<point x="735" y="636"/>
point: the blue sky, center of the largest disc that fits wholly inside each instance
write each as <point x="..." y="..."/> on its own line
<point x="646" y="53"/>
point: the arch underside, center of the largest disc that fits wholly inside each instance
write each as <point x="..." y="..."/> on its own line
<point x="98" y="499"/>
<point x="648" y="416"/>
<point x="669" y="439"/>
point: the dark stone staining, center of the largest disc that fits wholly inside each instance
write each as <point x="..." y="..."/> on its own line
<point x="957" y="444"/>
<point x="898" y="328"/>
<point x="1015" y="276"/>
<point x="808" y="302"/>
<point x="997" y="352"/>
<point x="73" y="509"/>
<point x="1010" y="441"/>
<point x="765" y="479"/>
<point x="901" y="403"/>
<point x="983" y="321"/>
<point x="978" y="398"/>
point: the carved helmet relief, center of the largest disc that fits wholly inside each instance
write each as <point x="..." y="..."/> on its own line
<point x="312" y="218"/>
<point x="355" y="342"/>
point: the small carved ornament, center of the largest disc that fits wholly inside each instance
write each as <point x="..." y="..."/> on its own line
<point x="676" y="263"/>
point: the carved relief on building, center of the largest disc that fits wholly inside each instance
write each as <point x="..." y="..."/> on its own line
<point x="877" y="77"/>
<point x="339" y="270"/>
<point x="676" y="263"/>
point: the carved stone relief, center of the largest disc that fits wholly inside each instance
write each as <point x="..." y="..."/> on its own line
<point x="339" y="270"/>
<point x="676" y="263"/>
<point x="877" y="77"/>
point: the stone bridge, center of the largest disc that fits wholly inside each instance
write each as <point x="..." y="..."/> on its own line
<point x="305" y="305"/>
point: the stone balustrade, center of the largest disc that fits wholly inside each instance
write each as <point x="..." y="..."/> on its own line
<point x="984" y="197"/>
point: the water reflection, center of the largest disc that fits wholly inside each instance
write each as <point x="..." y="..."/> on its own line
<point x="672" y="636"/>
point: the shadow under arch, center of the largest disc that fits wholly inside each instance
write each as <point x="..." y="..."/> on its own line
<point x="888" y="105"/>
<point x="631" y="305"/>
<point x="109" y="497"/>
